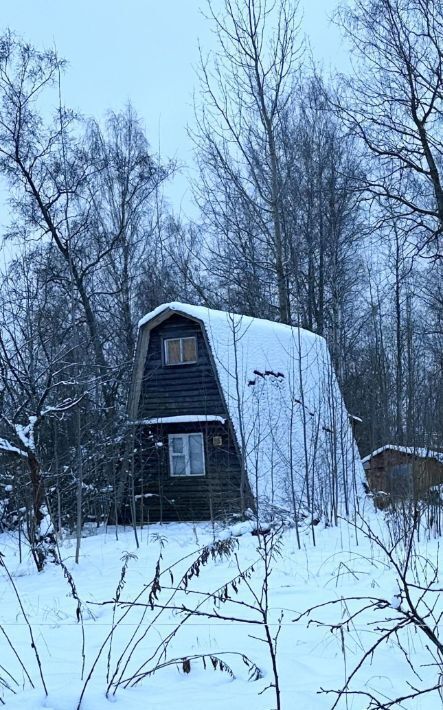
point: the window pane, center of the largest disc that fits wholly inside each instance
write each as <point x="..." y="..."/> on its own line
<point x="172" y="351"/>
<point x="178" y="465"/>
<point x="196" y="454"/>
<point x="189" y="349"/>
<point x="176" y="444"/>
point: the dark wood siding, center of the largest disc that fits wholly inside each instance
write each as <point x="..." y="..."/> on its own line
<point x="160" y="496"/>
<point x="174" y="391"/>
<point x="178" y="389"/>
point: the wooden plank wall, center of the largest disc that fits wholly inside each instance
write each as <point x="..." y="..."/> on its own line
<point x="178" y="389"/>
<point x="174" y="391"/>
<point x="427" y="472"/>
<point x="160" y="496"/>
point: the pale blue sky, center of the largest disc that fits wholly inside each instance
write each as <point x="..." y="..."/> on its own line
<point x="145" y="51"/>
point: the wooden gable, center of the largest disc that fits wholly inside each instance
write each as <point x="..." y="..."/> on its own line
<point x="168" y="392"/>
<point x="178" y="389"/>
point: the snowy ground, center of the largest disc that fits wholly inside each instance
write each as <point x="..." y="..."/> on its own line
<point x="309" y="657"/>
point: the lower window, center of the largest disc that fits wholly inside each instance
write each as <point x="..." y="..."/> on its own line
<point x="186" y="454"/>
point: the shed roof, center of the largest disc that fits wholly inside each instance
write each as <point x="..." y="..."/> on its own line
<point x="417" y="452"/>
<point x="285" y="405"/>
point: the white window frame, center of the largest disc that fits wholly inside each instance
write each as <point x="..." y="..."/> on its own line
<point x="185" y="438"/>
<point x="182" y="362"/>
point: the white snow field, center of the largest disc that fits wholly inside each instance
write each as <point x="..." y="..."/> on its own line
<point x="309" y="656"/>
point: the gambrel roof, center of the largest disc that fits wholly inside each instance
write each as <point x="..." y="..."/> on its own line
<point x="283" y="401"/>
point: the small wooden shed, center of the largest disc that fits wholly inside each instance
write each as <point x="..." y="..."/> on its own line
<point x="403" y="471"/>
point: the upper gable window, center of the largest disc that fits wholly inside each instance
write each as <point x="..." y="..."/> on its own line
<point x="180" y="351"/>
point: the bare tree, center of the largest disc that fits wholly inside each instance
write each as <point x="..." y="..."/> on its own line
<point x="84" y="190"/>
<point x="35" y="385"/>
<point x="245" y="89"/>
<point x="393" y="103"/>
<point x="126" y="220"/>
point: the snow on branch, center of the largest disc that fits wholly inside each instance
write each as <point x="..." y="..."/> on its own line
<point x="7" y="447"/>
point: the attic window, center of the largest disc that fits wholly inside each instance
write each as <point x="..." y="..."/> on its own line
<point x="180" y="351"/>
<point x="186" y="455"/>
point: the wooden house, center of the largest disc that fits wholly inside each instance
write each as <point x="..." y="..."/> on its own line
<point x="403" y="472"/>
<point x="229" y="412"/>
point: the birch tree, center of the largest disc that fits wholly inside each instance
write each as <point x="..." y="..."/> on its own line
<point x="245" y="88"/>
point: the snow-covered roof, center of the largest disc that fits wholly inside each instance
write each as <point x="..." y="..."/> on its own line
<point x="420" y="453"/>
<point x="285" y="406"/>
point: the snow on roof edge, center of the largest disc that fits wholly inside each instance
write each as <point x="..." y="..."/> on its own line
<point x="202" y="313"/>
<point x="418" y="452"/>
<point x="183" y="419"/>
